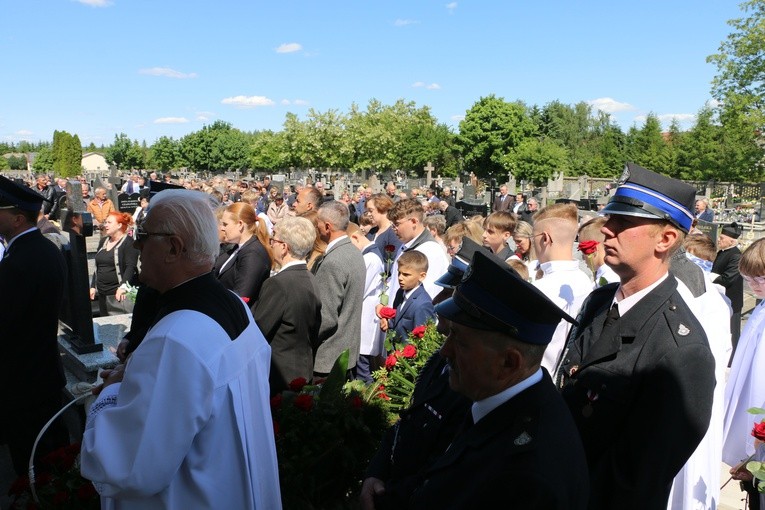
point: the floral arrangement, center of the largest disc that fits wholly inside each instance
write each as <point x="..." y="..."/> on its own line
<point x="325" y="437"/>
<point x="755" y="467"/>
<point x="58" y="484"/>
<point x="394" y="383"/>
<point x="388" y="258"/>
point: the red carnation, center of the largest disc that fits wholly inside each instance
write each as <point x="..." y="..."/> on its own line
<point x="390" y="362"/>
<point x="383" y="395"/>
<point x="418" y="332"/>
<point x="759" y="431"/>
<point x="410" y="351"/>
<point x="588" y="247"/>
<point x="389" y="248"/>
<point x="386" y="312"/>
<point x="276" y="402"/>
<point x="297" y="384"/>
<point x="356" y="402"/>
<point x="304" y="402"/>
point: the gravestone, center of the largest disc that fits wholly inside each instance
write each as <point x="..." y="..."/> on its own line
<point x="429" y="173"/>
<point x="555" y="185"/>
<point x="76" y="315"/>
<point x="511" y="184"/>
<point x="469" y="192"/>
<point x="128" y="203"/>
<point x="115" y="183"/>
<point x="374" y="183"/>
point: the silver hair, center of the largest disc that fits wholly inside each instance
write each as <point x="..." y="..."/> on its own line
<point x="189" y="214"/>
<point x="336" y="213"/>
<point x="298" y="233"/>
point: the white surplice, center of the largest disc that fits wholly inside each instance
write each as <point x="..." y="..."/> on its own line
<point x="190" y="425"/>
<point x="697" y="485"/>
<point x="745" y="389"/>
<point x="371" y="335"/>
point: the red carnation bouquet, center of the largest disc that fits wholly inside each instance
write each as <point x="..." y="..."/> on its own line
<point x="325" y="436"/>
<point x="394" y="382"/>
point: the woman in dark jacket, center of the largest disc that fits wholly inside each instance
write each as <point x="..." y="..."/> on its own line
<point x="116" y="266"/>
<point x="245" y="267"/>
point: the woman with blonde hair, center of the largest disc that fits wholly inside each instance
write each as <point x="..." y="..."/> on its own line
<point x="116" y="266"/>
<point x="245" y="267"/>
<point x="455" y="233"/>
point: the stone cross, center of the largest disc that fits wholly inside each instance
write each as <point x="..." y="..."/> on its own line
<point x="429" y="169"/>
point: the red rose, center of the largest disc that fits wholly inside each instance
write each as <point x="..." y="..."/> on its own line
<point x="356" y="402"/>
<point x="389" y="248"/>
<point x="390" y="362"/>
<point x="245" y="299"/>
<point x="759" y="431"/>
<point x="410" y="351"/>
<point x="304" y="402"/>
<point x="588" y="247"/>
<point x="276" y="402"/>
<point x="418" y="332"/>
<point x="297" y="384"/>
<point x="383" y="396"/>
<point x="386" y="312"/>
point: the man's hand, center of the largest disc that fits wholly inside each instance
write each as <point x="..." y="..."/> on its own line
<point x="740" y="473"/>
<point x="378" y="307"/>
<point x="92" y="294"/>
<point x="384" y="324"/>
<point x="122" y="349"/>
<point x="371" y="488"/>
<point x="110" y="377"/>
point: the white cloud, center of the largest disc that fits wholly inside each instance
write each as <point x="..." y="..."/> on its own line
<point x="171" y="120"/>
<point x="433" y="86"/>
<point x="285" y="102"/>
<point x="404" y="22"/>
<point x="96" y="3"/>
<point x="23" y="132"/>
<point x="166" y="72"/>
<point x="248" y="101"/>
<point x="609" y="105"/>
<point x="289" y="48"/>
<point x="204" y="116"/>
<point x="451" y="6"/>
<point x="300" y="102"/>
<point x="418" y="84"/>
<point x="457" y="118"/>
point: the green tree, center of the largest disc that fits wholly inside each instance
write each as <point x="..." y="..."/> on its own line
<point x="17" y="162"/>
<point x="216" y="148"/>
<point x="740" y="62"/>
<point x="117" y="153"/>
<point x="43" y="162"/>
<point x="491" y="129"/>
<point x="537" y="160"/>
<point x="646" y="146"/>
<point x="267" y="151"/>
<point x="164" y="153"/>
<point x="700" y="156"/>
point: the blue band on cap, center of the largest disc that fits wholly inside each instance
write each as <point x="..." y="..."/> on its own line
<point x="674" y="210"/>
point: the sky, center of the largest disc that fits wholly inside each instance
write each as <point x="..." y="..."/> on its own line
<point x="151" y="68"/>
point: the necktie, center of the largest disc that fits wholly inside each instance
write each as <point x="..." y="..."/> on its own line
<point x="612" y="317"/>
<point x="399" y="298"/>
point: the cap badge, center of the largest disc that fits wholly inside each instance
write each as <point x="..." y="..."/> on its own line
<point x="625" y="175"/>
<point x="523" y="439"/>
<point x="683" y="330"/>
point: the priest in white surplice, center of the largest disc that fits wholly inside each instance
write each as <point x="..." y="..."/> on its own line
<point x="186" y="422"/>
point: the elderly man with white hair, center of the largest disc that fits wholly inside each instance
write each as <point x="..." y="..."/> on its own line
<point x="186" y="422"/>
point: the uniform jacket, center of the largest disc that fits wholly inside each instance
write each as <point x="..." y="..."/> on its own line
<point x="453" y="216"/>
<point x="504" y="460"/>
<point x="726" y="265"/>
<point x="641" y="395"/>
<point x="415" y="311"/>
<point x="289" y="314"/>
<point x="340" y="283"/>
<point x="246" y="273"/>
<point x="424" y="431"/>
<point x="32" y="283"/>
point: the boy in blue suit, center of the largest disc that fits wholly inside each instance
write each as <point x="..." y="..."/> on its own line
<point x="412" y="303"/>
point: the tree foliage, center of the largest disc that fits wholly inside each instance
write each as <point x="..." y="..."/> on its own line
<point x="66" y="154"/>
<point x="537" y="160"/>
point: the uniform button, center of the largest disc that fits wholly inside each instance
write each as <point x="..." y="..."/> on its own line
<point x="672" y="307"/>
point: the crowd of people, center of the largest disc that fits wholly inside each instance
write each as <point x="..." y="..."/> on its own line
<point x="598" y="343"/>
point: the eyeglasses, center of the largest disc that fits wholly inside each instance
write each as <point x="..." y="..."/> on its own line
<point x="454" y="249"/>
<point x="140" y="235"/>
<point x="271" y="241"/>
<point x="759" y="280"/>
<point x="397" y="224"/>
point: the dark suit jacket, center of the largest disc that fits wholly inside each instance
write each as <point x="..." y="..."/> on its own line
<point x="504" y="460"/>
<point x="640" y="391"/>
<point x="288" y="314"/>
<point x="246" y="273"/>
<point x="127" y="260"/>
<point x="726" y="265"/>
<point x="452" y="216"/>
<point x="526" y="215"/>
<point x="32" y="283"/>
<point x="414" y="312"/>
<point x="503" y="205"/>
<point x="707" y="215"/>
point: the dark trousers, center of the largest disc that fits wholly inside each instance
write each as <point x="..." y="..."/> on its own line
<point x="753" y="494"/>
<point x="23" y="423"/>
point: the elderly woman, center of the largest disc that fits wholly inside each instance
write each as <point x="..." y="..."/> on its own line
<point x="245" y="266"/>
<point x="289" y="313"/>
<point x="277" y="209"/>
<point x="116" y="265"/>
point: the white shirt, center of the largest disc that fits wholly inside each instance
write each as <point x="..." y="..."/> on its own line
<point x="190" y="424"/>
<point x="483" y="407"/>
<point x="371" y="335"/>
<point x="567" y="286"/>
<point x="438" y="264"/>
<point x="625" y="304"/>
<point x="607" y="274"/>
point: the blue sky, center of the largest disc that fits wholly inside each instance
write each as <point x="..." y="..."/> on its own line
<point x="150" y="68"/>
